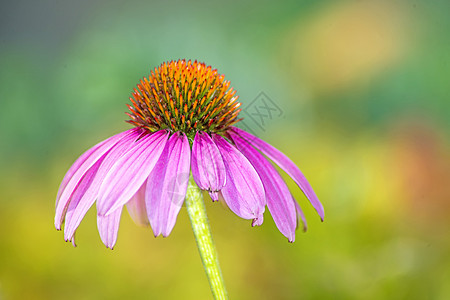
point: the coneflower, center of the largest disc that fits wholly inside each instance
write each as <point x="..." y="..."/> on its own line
<point x="183" y="115"/>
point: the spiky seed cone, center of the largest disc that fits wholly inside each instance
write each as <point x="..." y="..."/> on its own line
<point x="184" y="96"/>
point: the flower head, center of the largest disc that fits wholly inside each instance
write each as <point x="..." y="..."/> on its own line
<point x="184" y="96"/>
<point x="183" y="114"/>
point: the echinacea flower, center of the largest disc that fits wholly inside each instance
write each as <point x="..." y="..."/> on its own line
<point x="183" y="114"/>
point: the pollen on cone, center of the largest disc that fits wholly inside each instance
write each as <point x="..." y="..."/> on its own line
<point x="184" y="96"/>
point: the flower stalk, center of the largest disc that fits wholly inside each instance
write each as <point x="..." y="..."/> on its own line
<point x="199" y="221"/>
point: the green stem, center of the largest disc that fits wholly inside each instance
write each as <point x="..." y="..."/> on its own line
<point x="199" y="221"/>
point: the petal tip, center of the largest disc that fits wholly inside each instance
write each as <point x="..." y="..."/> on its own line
<point x="322" y="217"/>
<point x="258" y="221"/>
<point x="71" y="240"/>
<point x="214" y="196"/>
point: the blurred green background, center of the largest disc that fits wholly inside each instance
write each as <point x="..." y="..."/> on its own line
<point x="364" y="91"/>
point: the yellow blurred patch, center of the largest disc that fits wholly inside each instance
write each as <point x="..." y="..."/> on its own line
<point x="345" y="44"/>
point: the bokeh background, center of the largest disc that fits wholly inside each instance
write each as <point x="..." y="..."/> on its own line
<point x="363" y="88"/>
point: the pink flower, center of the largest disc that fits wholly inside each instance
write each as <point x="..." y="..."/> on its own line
<point x="183" y="115"/>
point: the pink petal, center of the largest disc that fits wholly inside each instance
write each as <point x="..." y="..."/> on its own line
<point x="80" y="205"/>
<point x="83" y="187"/>
<point x="287" y="165"/>
<point x="82" y="166"/>
<point x="108" y="226"/>
<point x="129" y="172"/>
<point x="300" y="216"/>
<point x="208" y="169"/>
<point x="243" y="192"/>
<point x="167" y="185"/>
<point x="76" y="165"/>
<point x="279" y="199"/>
<point x="136" y="207"/>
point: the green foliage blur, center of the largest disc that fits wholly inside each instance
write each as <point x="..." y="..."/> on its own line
<point x="363" y="89"/>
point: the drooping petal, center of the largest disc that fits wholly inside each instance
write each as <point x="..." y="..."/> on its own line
<point x="243" y="192"/>
<point x="136" y="207"/>
<point x="79" y="206"/>
<point x="83" y="187"/>
<point x="130" y="171"/>
<point x="75" y="166"/>
<point x="167" y="185"/>
<point x="89" y="160"/>
<point x="108" y="227"/>
<point x="279" y="199"/>
<point x="208" y="169"/>
<point x="300" y="216"/>
<point x="287" y="165"/>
